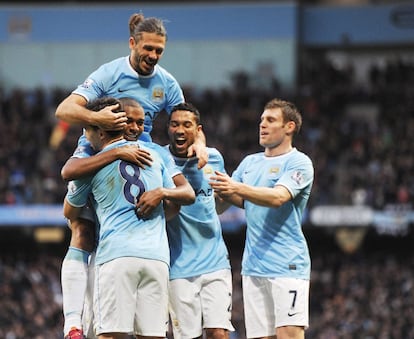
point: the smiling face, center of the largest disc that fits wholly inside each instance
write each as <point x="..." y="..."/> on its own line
<point x="135" y="122"/>
<point x="146" y="51"/>
<point x="182" y="131"/>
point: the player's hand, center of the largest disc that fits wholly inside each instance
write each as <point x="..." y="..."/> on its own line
<point x="109" y="120"/>
<point x="135" y="155"/>
<point x="148" y="202"/>
<point x="200" y="150"/>
<point x="222" y="184"/>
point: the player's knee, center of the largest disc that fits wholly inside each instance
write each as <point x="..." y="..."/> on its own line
<point x="290" y="332"/>
<point x="217" y="333"/>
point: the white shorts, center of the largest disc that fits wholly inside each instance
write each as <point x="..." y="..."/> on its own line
<point x="131" y="296"/>
<point x="274" y="302"/>
<point x="204" y="301"/>
<point x="87" y="314"/>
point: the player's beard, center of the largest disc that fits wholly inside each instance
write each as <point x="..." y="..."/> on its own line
<point x="143" y="65"/>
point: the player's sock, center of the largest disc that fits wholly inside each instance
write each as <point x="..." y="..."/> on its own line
<point x="74" y="278"/>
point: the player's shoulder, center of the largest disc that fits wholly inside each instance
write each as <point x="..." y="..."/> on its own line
<point x="111" y="71"/>
<point x="151" y="145"/>
<point x="214" y="152"/>
<point x="116" y="62"/>
<point x="114" y="67"/>
<point x="253" y="160"/>
<point x="254" y="157"/>
<point x="154" y="148"/>
<point x="162" y="72"/>
<point x="300" y="156"/>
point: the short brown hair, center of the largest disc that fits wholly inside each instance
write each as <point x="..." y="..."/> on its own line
<point x="289" y="112"/>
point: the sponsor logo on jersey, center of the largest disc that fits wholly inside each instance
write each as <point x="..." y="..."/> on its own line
<point x="204" y="192"/>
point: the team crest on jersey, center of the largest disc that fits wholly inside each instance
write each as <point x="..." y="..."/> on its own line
<point x="157" y="94"/>
<point x="274" y="170"/>
<point x="208" y="172"/>
<point x="87" y="83"/>
<point x="297" y="177"/>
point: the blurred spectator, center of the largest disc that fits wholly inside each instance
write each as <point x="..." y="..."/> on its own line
<point x="30" y="297"/>
<point x="359" y="137"/>
<point x="367" y="294"/>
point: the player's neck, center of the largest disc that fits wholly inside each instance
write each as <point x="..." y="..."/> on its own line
<point x="276" y="151"/>
<point x="113" y="140"/>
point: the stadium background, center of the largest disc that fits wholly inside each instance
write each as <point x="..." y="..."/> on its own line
<point x="350" y="69"/>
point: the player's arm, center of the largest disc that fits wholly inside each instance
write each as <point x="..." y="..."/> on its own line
<point x="72" y="110"/>
<point x="69" y="211"/>
<point x="223" y="197"/>
<point x="199" y="149"/>
<point x="233" y="191"/>
<point x="226" y="200"/>
<point x="182" y="194"/>
<point x="76" y="168"/>
<point x="221" y="204"/>
<point x="170" y="209"/>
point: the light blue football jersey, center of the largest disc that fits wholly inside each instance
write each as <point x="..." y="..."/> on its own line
<point x="115" y="189"/>
<point x="195" y="235"/>
<point x="156" y="92"/>
<point x="275" y="245"/>
<point x="84" y="150"/>
<point x="166" y="156"/>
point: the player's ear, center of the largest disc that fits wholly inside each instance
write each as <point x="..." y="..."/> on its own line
<point x="132" y="42"/>
<point x="291" y="126"/>
<point x="101" y="134"/>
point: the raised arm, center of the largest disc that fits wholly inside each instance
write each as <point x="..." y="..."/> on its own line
<point x="72" y="110"/>
<point x="199" y="149"/>
<point x="76" y="168"/>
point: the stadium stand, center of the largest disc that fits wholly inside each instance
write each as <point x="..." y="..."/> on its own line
<point x="361" y="294"/>
<point x="360" y="136"/>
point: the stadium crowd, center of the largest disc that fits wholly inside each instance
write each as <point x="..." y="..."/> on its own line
<point x="359" y="135"/>
<point x="365" y="295"/>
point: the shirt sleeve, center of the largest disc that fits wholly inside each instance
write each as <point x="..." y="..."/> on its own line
<point x="78" y="192"/>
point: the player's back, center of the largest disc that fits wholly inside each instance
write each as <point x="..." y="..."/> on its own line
<point x="116" y="188"/>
